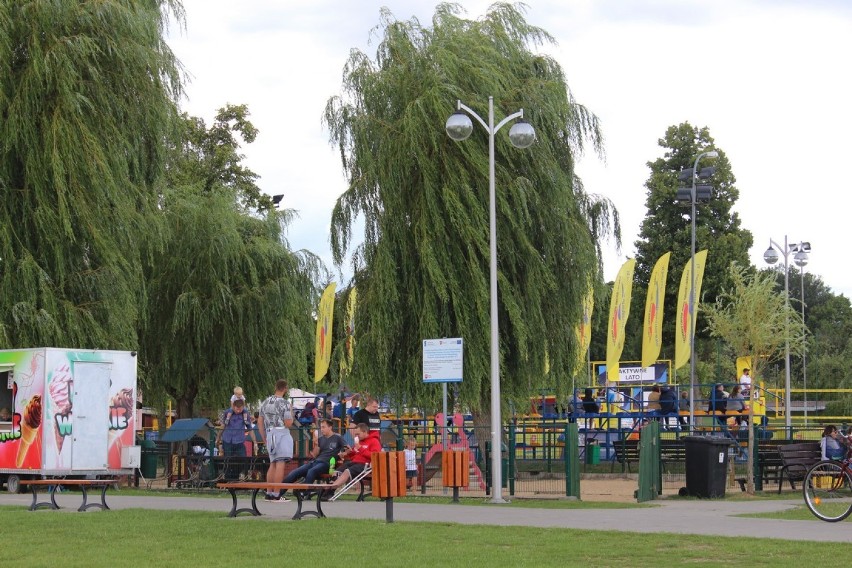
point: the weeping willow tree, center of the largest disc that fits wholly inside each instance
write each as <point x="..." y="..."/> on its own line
<point x="87" y="92"/>
<point x="422" y="270"/>
<point x="228" y="302"/>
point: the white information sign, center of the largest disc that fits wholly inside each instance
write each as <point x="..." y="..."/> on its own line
<point x="442" y="360"/>
<point x="636" y="375"/>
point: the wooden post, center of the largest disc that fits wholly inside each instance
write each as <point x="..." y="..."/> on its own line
<point x="388" y="478"/>
<point x="455" y="468"/>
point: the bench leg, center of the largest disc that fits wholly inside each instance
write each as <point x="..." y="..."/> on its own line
<point x="43" y="504"/>
<point x="300" y="498"/>
<point x="253" y="510"/>
<point x="86" y="505"/>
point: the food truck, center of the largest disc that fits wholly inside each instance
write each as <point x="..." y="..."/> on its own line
<point x="66" y="412"/>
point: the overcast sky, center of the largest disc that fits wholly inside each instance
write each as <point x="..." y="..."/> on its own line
<point x="770" y="78"/>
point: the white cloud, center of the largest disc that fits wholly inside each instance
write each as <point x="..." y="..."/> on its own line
<point x="768" y="78"/>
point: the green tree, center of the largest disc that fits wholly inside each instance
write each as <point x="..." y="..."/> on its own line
<point x="87" y="94"/>
<point x="828" y="320"/>
<point x="208" y="158"/>
<point x="754" y="319"/>
<point x="229" y="303"/>
<point x="667" y="227"/>
<point x="423" y="267"/>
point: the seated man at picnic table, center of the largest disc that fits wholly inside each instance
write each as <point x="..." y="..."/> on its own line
<point x="357" y="458"/>
<point x="327" y="445"/>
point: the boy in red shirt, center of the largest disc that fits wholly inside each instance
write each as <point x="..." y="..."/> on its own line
<point x="358" y="457"/>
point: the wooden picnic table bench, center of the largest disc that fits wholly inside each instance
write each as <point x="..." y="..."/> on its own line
<point x="54" y="484"/>
<point x="300" y="490"/>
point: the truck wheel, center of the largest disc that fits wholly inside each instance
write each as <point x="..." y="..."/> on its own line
<point x="13" y="484"/>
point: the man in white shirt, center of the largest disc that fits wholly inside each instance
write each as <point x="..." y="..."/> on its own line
<point x="745" y="383"/>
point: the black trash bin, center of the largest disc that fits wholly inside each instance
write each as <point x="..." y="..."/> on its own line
<point x="706" y="465"/>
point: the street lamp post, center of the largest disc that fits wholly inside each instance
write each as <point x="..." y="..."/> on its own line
<point x="771" y="256"/>
<point x="693" y="194"/>
<point x="521" y="135"/>
<point x="801" y="260"/>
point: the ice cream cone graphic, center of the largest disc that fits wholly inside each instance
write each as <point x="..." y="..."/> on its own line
<point x="29" y="428"/>
<point x="60" y="397"/>
<point x="121" y="406"/>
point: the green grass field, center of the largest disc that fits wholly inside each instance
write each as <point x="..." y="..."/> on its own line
<point x="138" y="537"/>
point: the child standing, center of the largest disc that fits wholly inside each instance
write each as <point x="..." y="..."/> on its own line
<point x="411" y="464"/>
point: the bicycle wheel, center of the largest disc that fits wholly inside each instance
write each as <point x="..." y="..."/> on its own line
<point x="828" y="491"/>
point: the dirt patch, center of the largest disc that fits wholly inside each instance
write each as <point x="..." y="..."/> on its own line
<point x="618" y="490"/>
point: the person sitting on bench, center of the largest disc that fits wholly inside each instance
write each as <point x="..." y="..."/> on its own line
<point x="326" y="446"/>
<point x="357" y="458"/>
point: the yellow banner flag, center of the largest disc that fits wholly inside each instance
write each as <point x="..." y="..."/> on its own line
<point x="619" y="309"/>
<point x="350" y="330"/>
<point x="686" y="324"/>
<point x="584" y="329"/>
<point x="652" y="338"/>
<point x="325" y="317"/>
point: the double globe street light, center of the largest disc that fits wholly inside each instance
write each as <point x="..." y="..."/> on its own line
<point x="521" y="135"/>
<point x="771" y="256"/>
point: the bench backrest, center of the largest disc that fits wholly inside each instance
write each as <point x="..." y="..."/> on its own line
<point x="626" y="449"/>
<point x="800" y="456"/>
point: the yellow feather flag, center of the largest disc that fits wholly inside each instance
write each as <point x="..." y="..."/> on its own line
<point x="652" y="338"/>
<point x="325" y="317"/>
<point x="584" y="329"/>
<point x="686" y="324"/>
<point x="350" y="326"/>
<point x="619" y="309"/>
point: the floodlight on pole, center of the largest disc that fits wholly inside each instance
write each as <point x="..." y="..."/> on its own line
<point x="693" y="195"/>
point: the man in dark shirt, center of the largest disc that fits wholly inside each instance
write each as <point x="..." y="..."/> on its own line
<point x="368" y="415"/>
<point x="326" y="446"/>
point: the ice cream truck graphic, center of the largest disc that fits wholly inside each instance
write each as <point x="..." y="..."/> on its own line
<point x="66" y="412"/>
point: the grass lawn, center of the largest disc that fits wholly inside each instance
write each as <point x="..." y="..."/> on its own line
<point x="137" y="537"/>
<point x="428" y="499"/>
<point x="800" y="513"/>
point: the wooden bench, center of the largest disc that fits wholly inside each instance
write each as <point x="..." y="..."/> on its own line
<point x="83" y="484"/>
<point x="300" y="490"/>
<point x="797" y="460"/>
<point x="768" y="465"/>
<point x="671" y="451"/>
<point x="626" y="451"/>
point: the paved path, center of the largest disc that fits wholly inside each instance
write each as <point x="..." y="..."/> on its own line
<point x="716" y="517"/>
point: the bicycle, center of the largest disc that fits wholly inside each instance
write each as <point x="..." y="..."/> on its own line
<point x="827" y="489"/>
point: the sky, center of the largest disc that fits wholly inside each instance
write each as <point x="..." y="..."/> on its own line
<point x="769" y="78"/>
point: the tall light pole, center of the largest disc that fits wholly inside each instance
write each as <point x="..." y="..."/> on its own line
<point x="771" y="256"/>
<point x="801" y="260"/>
<point x="521" y="135"/>
<point x="694" y="194"/>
